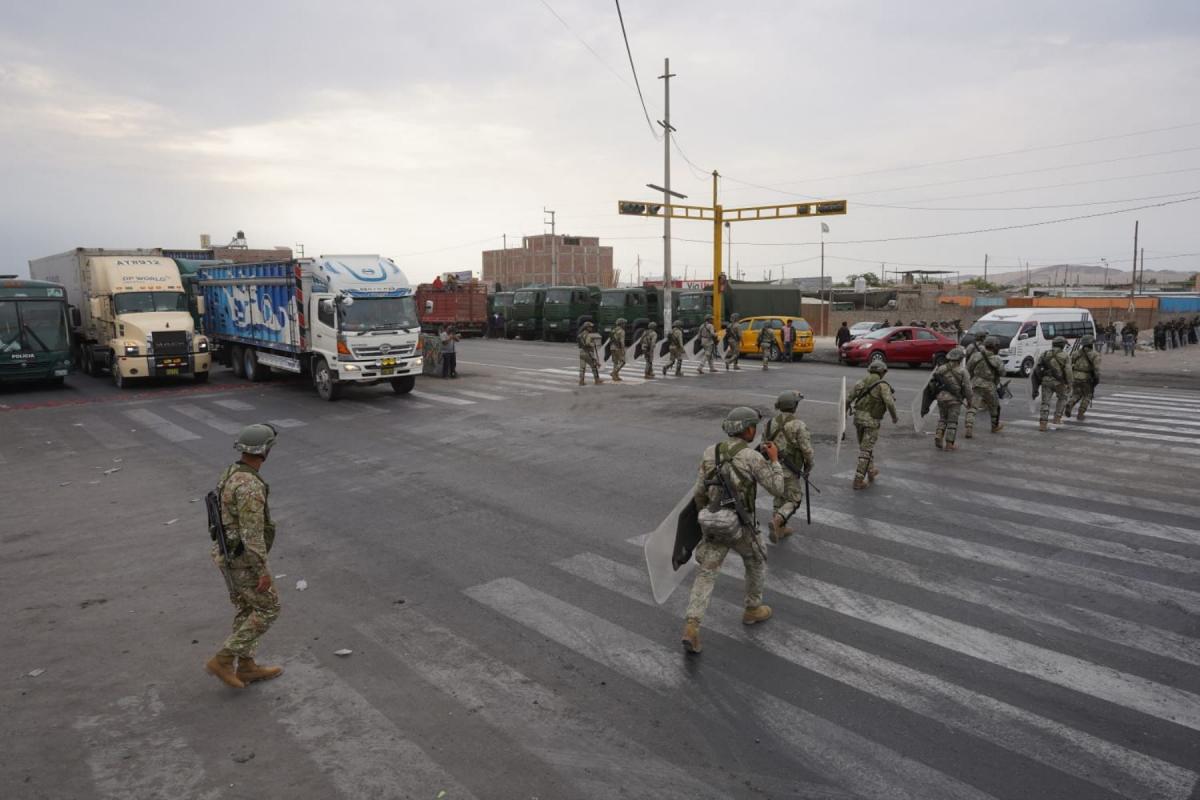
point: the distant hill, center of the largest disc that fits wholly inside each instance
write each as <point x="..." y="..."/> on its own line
<point x="1080" y="275"/>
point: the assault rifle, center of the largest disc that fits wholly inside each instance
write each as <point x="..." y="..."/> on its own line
<point x="216" y="532"/>
<point x="746" y="518"/>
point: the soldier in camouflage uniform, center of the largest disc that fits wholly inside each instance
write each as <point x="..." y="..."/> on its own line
<point x="733" y="343"/>
<point x="675" y="342"/>
<point x="745" y="468"/>
<point x="587" y="353"/>
<point x="766" y="339"/>
<point x="1085" y="374"/>
<point x="954" y="389"/>
<point x="617" y="347"/>
<point x="870" y="399"/>
<point x="791" y="438"/>
<point x="649" y="342"/>
<point x="986" y="371"/>
<point x="708" y="345"/>
<point x="1056" y="380"/>
<point x="249" y="534"/>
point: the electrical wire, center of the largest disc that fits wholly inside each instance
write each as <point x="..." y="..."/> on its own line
<point x="590" y="49"/>
<point x="1043" y="208"/>
<point x="637" y="84"/>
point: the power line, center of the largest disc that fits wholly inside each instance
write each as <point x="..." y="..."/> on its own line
<point x="1042" y="208"/>
<point x="637" y="84"/>
<point x="583" y="41"/>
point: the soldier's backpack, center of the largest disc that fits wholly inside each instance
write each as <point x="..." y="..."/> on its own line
<point x="720" y="520"/>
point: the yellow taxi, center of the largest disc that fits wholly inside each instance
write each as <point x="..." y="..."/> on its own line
<point x="802" y="340"/>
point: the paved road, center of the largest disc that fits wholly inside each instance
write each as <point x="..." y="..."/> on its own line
<point x="1015" y="620"/>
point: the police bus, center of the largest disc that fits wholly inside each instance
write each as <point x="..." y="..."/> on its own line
<point x="35" y="331"/>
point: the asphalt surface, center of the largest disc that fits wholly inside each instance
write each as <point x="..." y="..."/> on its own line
<point x="1014" y="620"/>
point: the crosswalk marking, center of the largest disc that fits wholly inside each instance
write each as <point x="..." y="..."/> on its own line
<point x="234" y="405"/>
<point x="1125" y="423"/>
<point x="1049" y="742"/>
<point x="1186" y="423"/>
<point x="1183" y="400"/>
<point x="361" y="750"/>
<point x="480" y="395"/>
<point x="877" y="772"/>
<point x="442" y="398"/>
<point x="206" y="417"/>
<point x="160" y="425"/>
<point x="1143" y="407"/>
<point x="1110" y="431"/>
<point x="530" y="389"/>
<point x="287" y="422"/>
<point x="105" y="433"/>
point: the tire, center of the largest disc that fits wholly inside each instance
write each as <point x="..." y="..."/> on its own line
<point x="939" y="359"/>
<point x="87" y="362"/>
<point x="200" y="377"/>
<point x="914" y="364"/>
<point x="57" y="382"/>
<point x="1026" y="367"/>
<point x="251" y="368"/>
<point x="404" y="384"/>
<point x="235" y="361"/>
<point x="508" y="334"/>
<point x="877" y="358"/>
<point x="799" y="356"/>
<point x="118" y="381"/>
<point x="326" y="385"/>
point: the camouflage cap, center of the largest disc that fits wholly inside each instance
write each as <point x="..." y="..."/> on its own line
<point x="955" y="354"/>
<point x="740" y="420"/>
<point x="256" y="439"/>
<point x="787" y="401"/>
<point x="878" y="367"/>
<point x="1059" y="341"/>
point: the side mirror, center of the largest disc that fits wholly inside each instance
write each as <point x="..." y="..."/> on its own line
<point x="428" y="306"/>
<point x="200" y="305"/>
<point x="96" y="306"/>
<point x="1023" y="336"/>
<point x="76" y="317"/>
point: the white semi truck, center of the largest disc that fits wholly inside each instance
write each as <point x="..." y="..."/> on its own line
<point x="134" y="319"/>
<point x="342" y="319"/>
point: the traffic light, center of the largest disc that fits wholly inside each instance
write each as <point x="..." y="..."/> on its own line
<point x="833" y="207"/>
<point x="639" y="209"/>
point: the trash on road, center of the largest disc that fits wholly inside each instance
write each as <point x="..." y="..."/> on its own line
<point x="301" y="585"/>
<point x="111" y="470"/>
<point x="36" y="672"/>
<point x="171" y="521"/>
<point x="343" y="652"/>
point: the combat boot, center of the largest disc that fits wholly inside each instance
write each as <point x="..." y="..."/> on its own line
<point x="221" y="665"/>
<point x="581" y="381"/>
<point x="699" y="370"/>
<point x="679" y="372"/>
<point x="248" y="671"/>
<point x="597" y="380"/>
<point x="735" y="366"/>
<point x="1067" y="412"/>
<point x="760" y="613"/>
<point x="649" y="375"/>
<point x="691" y="636"/>
<point x="999" y="426"/>
<point x="779" y="530"/>
<point x="872" y="474"/>
<point x="969" y="433"/>
<point x="950" y="446"/>
<point x="1079" y="416"/>
<point x="665" y="368"/>
<point x="616" y="378"/>
<point x="937" y="442"/>
<point x="1042" y="426"/>
<point x="1058" y="420"/>
<point x="859" y="483"/>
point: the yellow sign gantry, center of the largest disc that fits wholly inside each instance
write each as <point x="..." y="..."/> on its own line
<point x="719" y="215"/>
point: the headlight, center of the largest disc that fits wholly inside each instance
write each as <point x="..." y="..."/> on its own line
<point x="131" y="349"/>
<point x="349" y="368"/>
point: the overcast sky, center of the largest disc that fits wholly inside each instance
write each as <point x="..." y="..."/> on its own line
<point x="426" y="131"/>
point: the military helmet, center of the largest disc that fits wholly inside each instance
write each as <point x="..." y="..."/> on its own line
<point x="739" y="420"/>
<point x="787" y="401"/>
<point x="878" y="367"/>
<point x="587" y="323"/>
<point x="256" y="439"/>
<point x="955" y="354"/>
<point x="735" y="317"/>
<point x="652" y="325"/>
<point x="1059" y="341"/>
<point x="677" y="324"/>
<point x="991" y="343"/>
<point x="708" y="317"/>
<point x="1087" y="340"/>
<point x="980" y="336"/>
<point x="622" y="321"/>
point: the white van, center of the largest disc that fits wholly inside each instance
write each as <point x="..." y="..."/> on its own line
<point x="1026" y="333"/>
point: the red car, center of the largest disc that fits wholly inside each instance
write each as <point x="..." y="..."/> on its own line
<point x="898" y="345"/>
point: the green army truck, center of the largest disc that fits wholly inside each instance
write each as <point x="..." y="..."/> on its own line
<point x="691" y="307"/>
<point x="744" y="298"/>
<point x="567" y="308"/>
<point x="639" y="306"/>
<point x="528" y="306"/>
<point x="500" y="303"/>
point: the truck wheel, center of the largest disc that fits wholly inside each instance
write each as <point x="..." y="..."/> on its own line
<point x="327" y="386"/>
<point x="254" y="371"/>
<point x="404" y="384"/>
<point x="235" y="361"/>
<point x="118" y="380"/>
<point x="1026" y="367"/>
<point x="86" y="363"/>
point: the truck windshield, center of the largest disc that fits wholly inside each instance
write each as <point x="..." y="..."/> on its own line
<point x="137" y="302"/>
<point x="524" y="298"/>
<point x="557" y="296"/>
<point x="37" y="326"/>
<point x="379" y="313"/>
<point x="612" y="300"/>
<point x="692" y="302"/>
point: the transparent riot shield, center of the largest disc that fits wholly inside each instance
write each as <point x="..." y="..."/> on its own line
<point x="667" y="544"/>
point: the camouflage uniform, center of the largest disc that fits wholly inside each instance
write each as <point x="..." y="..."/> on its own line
<point x="986" y="369"/>
<point x="617" y="347"/>
<point x="955" y="391"/>
<point x="748" y="469"/>
<point x="733" y="352"/>
<point x="1085" y="372"/>
<point x="649" y="342"/>
<point x="870" y="399"/>
<point x="247" y="520"/>
<point x="1056" y="380"/>
<point x="675" y="342"/>
<point x="708" y="345"/>
<point x="587" y="354"/>
<point x="791" y="436"/>
<point x="766" y="338"/>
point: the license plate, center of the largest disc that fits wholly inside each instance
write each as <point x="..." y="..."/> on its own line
<point x="173" y="371"/>
<point x="388" y="370"/>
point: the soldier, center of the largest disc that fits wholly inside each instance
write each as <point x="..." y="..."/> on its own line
<point x="733" y="343"/>
<point x="1129" y="334"/>
<point x="1056" y="380"/>
<point x="986" y="371"/>
<point x="954" y="389"/>
<point x="249" y="534"/>
<point x="766" y="339"/>
<point x="675" y="343"/>
<point x="649" y="340"/>
<point x="724" y="529"/>
<point x="791" y="438"/>
<point x="972" y="344"/>
<point x="616" y="346"/>
<point x="1085" y="374"/>
<point x="870" y="399"/>
<point x="587" y="354"/>
<point x="708" y="345"/>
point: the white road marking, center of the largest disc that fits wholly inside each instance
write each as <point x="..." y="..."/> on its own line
<point x="105" y="433"/>
<point x="1060" y="747"/>
<point x="163" y="427"/>
<point x="287" y="422"/>
<point x="534" y="388"/>
<point x="1192" y="401"/>
<point x="208" y="418"/>
<point x="234" y="405"/>
<point x="1124" y="423"/>
<point x="481" y="395"/>
<point x="1186" y="423"/>
<point x="1144" y="407"/>
<point x="362" y="751"/>
<point x="867" y="768"/>
<point x="1109" y="431"/>
<point x="442" y="398"/>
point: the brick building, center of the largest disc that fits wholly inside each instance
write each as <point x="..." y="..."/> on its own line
<point x="581" y="260"/>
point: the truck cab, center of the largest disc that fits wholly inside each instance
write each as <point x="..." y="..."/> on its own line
<point x="638" y="306"/>
<point x="528" y="307"/>
<point x="566" y="309"/>
<point x="691" y="307"/>
<point x="501" y="303"/>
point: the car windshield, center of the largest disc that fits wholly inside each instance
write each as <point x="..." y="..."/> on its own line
<point x="1004" y="329"/>
<point x="378" y="313"/>
<point x="524" y="298"/>
<point x="692" y="302"/>
<point x="801" y="325"/>
<point x="504" y="301"/>
<point x="32" y="325"/>
<point x="558" y="296"/>
<point x="612" y="299"/>
<point x="138" y="302"/>
<point x="861" y="327"/>
<point x="882" y="333"/>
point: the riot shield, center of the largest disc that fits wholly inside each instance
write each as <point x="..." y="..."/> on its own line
<point x="664" y="346"/>
<point x="672" y="543"/>
<point x="696" y="346"/>
<point x="607" y="349"/>
<point x="918" y="419"/>
<point x="841" y="426"/>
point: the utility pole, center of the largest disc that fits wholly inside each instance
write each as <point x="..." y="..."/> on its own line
<point x="985" y="262"/>
<point x="553" y="246"/>
<point x="1133" y="275"/>
<point x="1142" y="272"/>
<point x="667" y="129"/>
